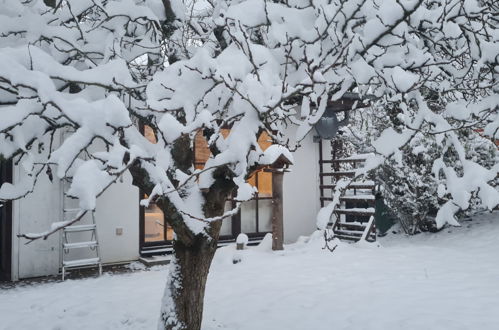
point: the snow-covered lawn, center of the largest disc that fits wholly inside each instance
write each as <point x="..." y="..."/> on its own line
<point x="448" y="280"/>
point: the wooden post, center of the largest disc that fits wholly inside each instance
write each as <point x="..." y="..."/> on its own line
<point x="277" y="211"/>
<point x="321" y="170"/>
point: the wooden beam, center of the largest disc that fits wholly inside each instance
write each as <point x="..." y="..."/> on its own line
<point x="277" y="211"/>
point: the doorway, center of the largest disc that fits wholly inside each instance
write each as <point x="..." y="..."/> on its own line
<point x="155" y="234"/>
<point x="5" y="224"/>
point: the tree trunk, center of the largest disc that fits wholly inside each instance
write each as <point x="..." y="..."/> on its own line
<point x="182" y="306"/>
<point x="183" y="299"/>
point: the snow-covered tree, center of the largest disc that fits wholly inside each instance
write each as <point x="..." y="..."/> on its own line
<point x="410" y="186"/>
<point x="98" y="70"/>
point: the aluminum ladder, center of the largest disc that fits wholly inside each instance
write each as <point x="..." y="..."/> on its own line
<point x="79" y="237"/>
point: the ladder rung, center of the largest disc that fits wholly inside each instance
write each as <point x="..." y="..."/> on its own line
<point x="79" y="245"/>
<point x="81" y="262"/>
<point x="79" y="228"/>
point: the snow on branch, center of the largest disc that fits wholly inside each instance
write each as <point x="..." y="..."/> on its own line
<point x="94" y="73"/>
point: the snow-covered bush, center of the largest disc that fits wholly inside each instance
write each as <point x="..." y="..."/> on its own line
<point x="409" y="188"/>
<point x="412" y="187"/>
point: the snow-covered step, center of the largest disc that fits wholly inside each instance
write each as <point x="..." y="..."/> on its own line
<point x="348" y="237"/>
<point x="358" y="226"/>
<point x="79" y="228"/>
<point x="353" y="185"/>
<point x="156" y="260"/>
<point x="81" y="262"/>
<point x="355" y="199"/>
<point x="79" y="245"/>
<point x="349" y="232"/>
<point x="356" y="211"/>
<point x="349" y="174"/>
<point x="360" y="197"/>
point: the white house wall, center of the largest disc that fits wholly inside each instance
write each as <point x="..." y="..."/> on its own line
<point x="117" y="217"/>
<point x="301" y="191"/>
<point x="118" y="211"/>
<point x="34" y="214"/>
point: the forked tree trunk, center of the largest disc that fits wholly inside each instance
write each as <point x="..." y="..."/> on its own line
<point x="182" y="306"/>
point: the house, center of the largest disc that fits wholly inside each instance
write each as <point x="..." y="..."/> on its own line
<point x="127" y="230"/>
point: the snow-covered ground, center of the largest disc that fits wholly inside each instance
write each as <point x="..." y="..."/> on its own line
<point x="448" y="280"/>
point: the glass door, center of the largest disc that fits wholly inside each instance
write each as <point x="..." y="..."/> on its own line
<point x="155" y="234"/>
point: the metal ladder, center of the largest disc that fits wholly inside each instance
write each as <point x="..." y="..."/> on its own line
<point x="69" y="241"/>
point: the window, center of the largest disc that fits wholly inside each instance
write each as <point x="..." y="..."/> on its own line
<point x="260" y="179"/>
<point x="155" y="233"/>
<point x="155" y="227"/>
<point x="255" y="217"/>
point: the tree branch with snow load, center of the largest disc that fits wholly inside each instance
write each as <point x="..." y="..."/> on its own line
<point x="93" y="73"/>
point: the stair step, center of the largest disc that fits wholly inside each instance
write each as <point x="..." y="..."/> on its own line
<point x="79" y="228"/>
<point x="349" y="232"/>
<point x="356" y="211"/>
<point x="342" y="160"/>
<point x="349" y="174"/>
<point x="351" y="226"/>
<point x="366" y="197"/>
<point x="356" y="198"/>
<point x="348" y="237"/>
<point x="81" y="262"/>
<point x="353" y="185"/>
<point x="79" y="245"/>
<point x="156" y="260"/>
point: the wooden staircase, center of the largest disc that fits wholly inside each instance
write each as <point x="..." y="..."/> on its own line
<point x="353" y="218"/>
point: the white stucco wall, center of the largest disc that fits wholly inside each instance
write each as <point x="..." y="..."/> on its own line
<point x="34" y="214"/>
<point x="301" y="191"/>
<point x="117" y="208"/>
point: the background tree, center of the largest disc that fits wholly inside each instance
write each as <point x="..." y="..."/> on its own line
<point x="98" y="70"/>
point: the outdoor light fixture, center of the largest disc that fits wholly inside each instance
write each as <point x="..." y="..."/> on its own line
<point x="327" y="127"/>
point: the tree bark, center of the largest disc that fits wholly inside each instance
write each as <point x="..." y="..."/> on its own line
<point x="182" y="307"/>
<point x="183" y="300"/>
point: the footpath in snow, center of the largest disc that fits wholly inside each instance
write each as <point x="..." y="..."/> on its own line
<point x="448" y="280"/>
